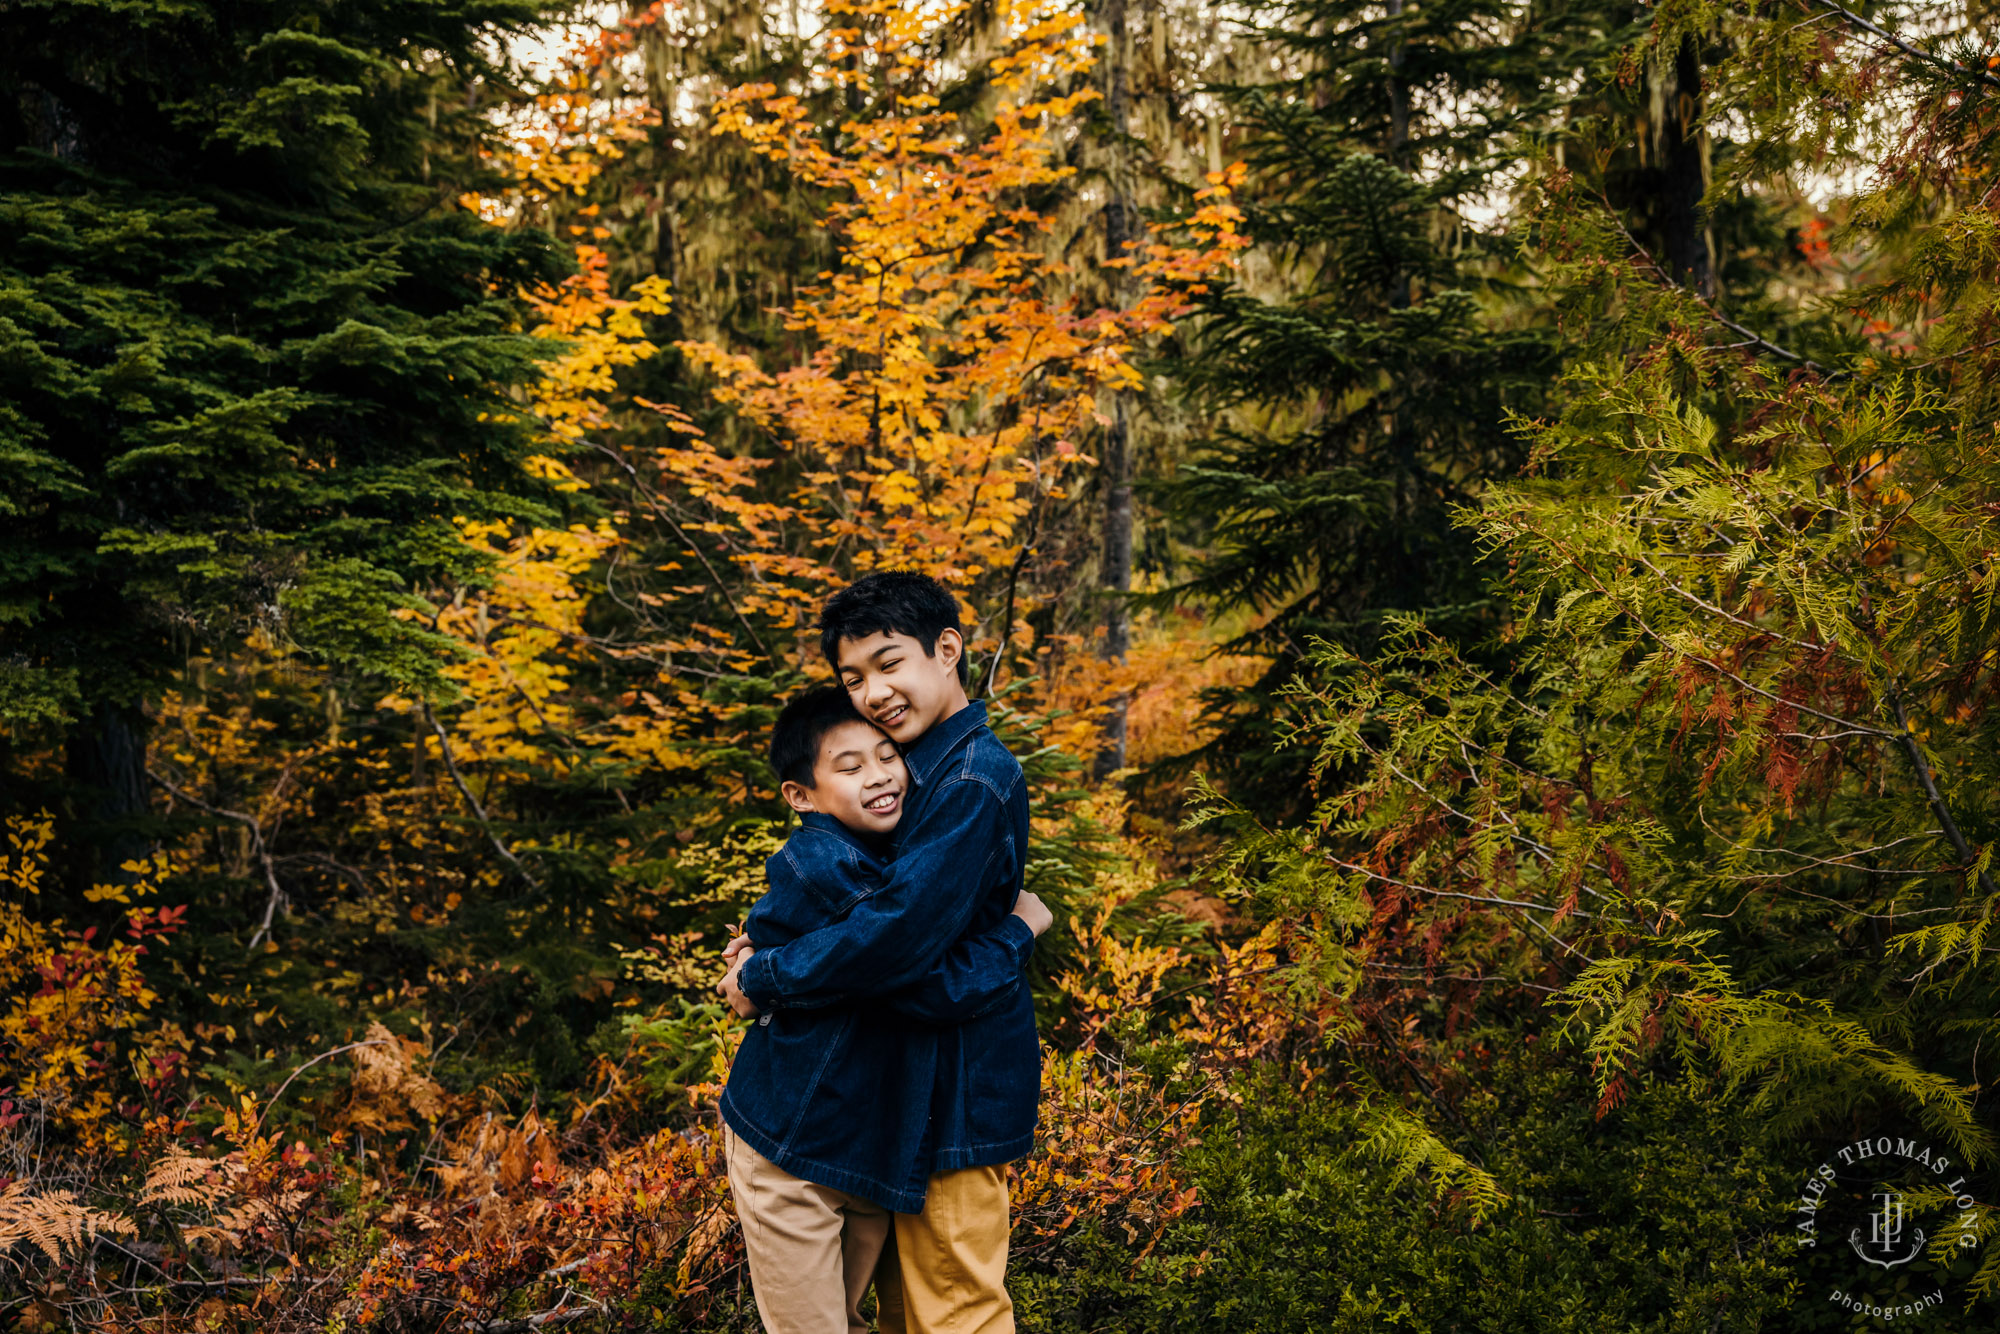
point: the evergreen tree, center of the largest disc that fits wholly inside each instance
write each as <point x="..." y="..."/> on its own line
<point x="256" y="353"/>
<point x="1371" y="398"/>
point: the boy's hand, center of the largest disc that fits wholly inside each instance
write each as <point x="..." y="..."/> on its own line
<point x="745" y="1007"/>
<point x="1030" y="909"/>
<point x="738" y="944"/>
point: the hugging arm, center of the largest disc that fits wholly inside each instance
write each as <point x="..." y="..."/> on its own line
<point x="893" y="939"/>
<point x="975" y="976"/>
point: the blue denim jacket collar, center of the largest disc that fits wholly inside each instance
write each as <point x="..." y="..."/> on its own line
<point x="930" y="750"/>
<point x="828" y="825"/>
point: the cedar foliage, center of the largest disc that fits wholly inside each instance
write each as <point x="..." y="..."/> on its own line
<point x="1727" y="806"/>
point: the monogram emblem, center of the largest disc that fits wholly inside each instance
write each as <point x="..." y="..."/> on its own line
<point x="1885" y="1233"/>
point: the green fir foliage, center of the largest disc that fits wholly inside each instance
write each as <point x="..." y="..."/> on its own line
<point x="256" y="358"/>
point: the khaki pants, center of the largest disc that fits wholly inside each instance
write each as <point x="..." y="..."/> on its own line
<point x="812" y="1249"/>
<point x="948" y="1270"/>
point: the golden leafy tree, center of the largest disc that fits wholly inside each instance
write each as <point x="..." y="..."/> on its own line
<point x="950" y="378"/>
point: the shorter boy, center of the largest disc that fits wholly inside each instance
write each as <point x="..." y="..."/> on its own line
<point x="814" y="1231"/>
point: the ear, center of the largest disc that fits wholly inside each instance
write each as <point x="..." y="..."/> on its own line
<point x="950" y="647"/>
<point x="798" y="796"/>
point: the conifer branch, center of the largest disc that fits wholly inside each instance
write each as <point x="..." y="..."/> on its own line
<point x="1751" y="337"/>
<point x="1754" y="339"/>
<point x="1674" y="587"/>
<point x="1410" y="970"/>
<point x="1844" y="862"/>
<point x="1681" y="651"/>
<point x="1921" y="763"/>
<point x="1543" y="852"/>
<point x="1358" y="869"/>
<point x="1943" y="357"/>
<point x="1854" y="20"/>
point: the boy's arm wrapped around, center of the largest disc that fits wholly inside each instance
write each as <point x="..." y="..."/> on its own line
<point x="892" y="940"/>
<point x="848" y="782"/>
<point x="814" y="881"/>
<point x="923" y="1115"/>
<point x="979" y="974"/>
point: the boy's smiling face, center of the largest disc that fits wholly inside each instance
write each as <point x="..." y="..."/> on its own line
<point x="858" y="778"/>
<point x="898" y="686"/>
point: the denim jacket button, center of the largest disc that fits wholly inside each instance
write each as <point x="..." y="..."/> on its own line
<point x="763" y="1019"/>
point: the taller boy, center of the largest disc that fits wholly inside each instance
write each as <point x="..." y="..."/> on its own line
<point x="960" y="853"/>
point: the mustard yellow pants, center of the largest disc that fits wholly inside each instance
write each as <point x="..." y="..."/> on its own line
<point x="945" y="1269"/>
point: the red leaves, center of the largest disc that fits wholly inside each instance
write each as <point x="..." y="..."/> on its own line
<point x="1813" y="245"/>
<point x="141" y="923"/>
<point x="1614" y="1094"/>
<point x="1570" y="899"/>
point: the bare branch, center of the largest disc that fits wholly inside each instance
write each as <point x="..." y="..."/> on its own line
<point x="680" y="535"/>
<point x="1921" y="763"/>
<point x="1751" y="337"/>
<point x="541" y="1320"/>
<point x="257" y="847"/>
<point x="478" y="810"/>
<point x="325" y="1055"/>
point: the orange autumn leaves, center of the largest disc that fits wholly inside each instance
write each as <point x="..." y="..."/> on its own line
<point x="945" y="382"/>
<point x="940" y="394"/>
<point x="952" y="378"/>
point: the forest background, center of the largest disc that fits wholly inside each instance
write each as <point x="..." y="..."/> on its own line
<point x="1478" y="517"/>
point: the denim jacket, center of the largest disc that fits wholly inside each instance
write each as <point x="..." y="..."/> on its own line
<point x="871" y="1073"/>
<point x="825" y="868"/>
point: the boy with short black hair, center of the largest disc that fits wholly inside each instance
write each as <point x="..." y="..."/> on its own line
<point x="960" y="859"/>
<point x="815" y="1211"/>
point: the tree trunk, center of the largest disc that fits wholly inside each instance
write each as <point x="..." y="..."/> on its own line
<point x="1397" y="151"/>
<point x="1115" y="468"/>
<point x="1683" y="155"/>
<point x="1399" y="96"/>
<point x="106" y="761"/>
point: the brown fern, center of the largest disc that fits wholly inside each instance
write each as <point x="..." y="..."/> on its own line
<point x="388" y="1092"/>
<point x="182" y="1178"/>
<point x="52" y="1221"/>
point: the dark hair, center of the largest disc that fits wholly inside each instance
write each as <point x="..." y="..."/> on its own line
<point x="896" y="602"/>
<point x="802" y="725"/>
